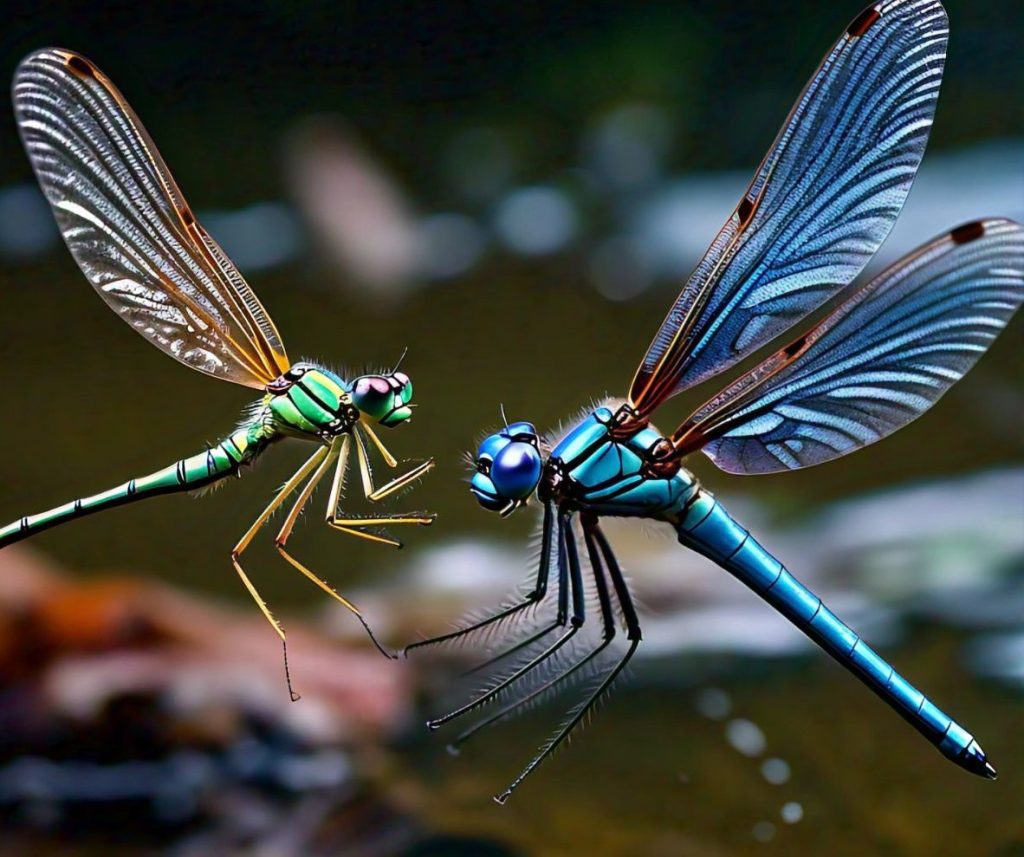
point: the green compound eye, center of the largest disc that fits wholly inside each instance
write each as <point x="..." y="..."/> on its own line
<point x="405" y="388"/>
<point x="397" y="417"/>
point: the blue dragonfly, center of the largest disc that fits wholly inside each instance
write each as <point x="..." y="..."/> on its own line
<point x="820" y="205"/>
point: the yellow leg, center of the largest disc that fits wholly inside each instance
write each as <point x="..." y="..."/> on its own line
<point x="374" y="494"/>
<point x="380" y="520"/>
<point x="354" y="525"/>
<point x="387" y="456"/>
<point x="339" y="449"/>
<point x="370" y="537"/>
<point x="282" y="495"/>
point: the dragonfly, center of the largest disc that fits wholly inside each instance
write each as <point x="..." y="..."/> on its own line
<point x="819" y="206"/>
<point x="141" y="248"/>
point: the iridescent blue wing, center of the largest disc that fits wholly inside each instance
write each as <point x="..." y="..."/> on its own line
<point x="882" y="358"/>
<point x="821" y="203"/>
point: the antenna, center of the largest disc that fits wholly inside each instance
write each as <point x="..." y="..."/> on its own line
<point x="400" y="359"/>
<point x="504" y="419"/>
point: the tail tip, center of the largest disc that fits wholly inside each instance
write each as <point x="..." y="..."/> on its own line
<point x="974" y="760"/>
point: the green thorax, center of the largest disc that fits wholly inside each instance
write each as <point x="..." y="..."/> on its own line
<point x="309" y="400"/>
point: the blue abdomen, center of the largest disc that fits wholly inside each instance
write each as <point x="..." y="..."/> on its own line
<point x="705" y="526"/>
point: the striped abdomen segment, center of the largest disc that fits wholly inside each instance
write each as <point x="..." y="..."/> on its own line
<point x="188" y="474"/>
<point x="705" y="526"/>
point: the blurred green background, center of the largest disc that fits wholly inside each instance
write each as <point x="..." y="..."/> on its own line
<point x="453" y="108"/>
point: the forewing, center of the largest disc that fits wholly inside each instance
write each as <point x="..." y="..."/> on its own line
<point x="821" y="203"/>
<point x="129" y="228"/>
<point x="875" y="363"/>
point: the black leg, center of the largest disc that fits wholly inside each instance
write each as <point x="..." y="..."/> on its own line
<point x="562" y="609"/>
<point x="633" y="634"/>
<point x="533" y="597"/>
<point x="568" y="560"/>
<point x="629" y="615"/>
<point x="607" y="635"/>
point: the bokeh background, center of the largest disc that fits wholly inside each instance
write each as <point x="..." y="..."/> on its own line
<point x="513" y="192"/>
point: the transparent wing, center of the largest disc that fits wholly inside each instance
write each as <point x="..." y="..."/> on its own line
<point x="874" y="364"/>
<point x="821" y="203"/>
<point x="129" y="228"/>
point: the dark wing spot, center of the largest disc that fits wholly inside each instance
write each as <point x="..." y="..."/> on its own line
<point x="968" y="232"/>
<point x="187" y="217"/>
<point x="79" y="66"/>
<point x="794" y="347"/>
<point x="745" y="211"/>
<point x="863" y="22"/>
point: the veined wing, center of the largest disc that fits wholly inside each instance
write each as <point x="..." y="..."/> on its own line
<point x="128" y="225"/>
<point x="821" y="203"/>
<point x="882" y="358"/>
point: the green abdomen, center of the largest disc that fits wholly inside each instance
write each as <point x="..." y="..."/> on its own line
<point x="197" y="471"/>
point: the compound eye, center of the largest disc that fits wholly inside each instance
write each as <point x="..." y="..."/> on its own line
<point x="516" y="471"/>
<point x="373" y="395"/>
<point x="491" y="446"/>
<point x="372" y="386"/>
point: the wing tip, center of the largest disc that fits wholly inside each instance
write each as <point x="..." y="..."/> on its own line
<point x="78" y="65"/>
<point x="968" y="232"/>
<point x="875" y="12"/>
<point x="74" y="62"/>
<point x="930" y="14"/>
<point x="972" y="230"/>
<point x="863" y="22"/>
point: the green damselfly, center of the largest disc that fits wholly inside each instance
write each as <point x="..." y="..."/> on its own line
<point x="138" y="243"/>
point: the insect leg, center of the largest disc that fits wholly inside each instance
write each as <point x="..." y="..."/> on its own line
<point x="535" y="595"/>
<point x="561" y="614"/>
<point x="567" y="559"/>
<point x="607" y="635"/>
<point x="398" y="483"/>
<point x="337" y="449"/>
<point x="634" y="636"/>
<point x="289" y="487"/>
<point x="353" y="524"/>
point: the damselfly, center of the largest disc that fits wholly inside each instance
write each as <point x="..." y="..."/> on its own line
<point x="138" y="243"/>
<point x="821" y="203"/>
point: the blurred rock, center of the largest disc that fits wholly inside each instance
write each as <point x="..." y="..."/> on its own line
<point x="125" y="702"/>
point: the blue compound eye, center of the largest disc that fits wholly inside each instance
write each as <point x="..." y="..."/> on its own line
<point x="491" y="446"/>
<point x="516" y="470"/>
<point x="483" y="490"/>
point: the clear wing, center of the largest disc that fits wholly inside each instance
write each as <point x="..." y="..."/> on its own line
<point x="821" y="203"/>
<point x="874" y="364"/>
<point x="129" y="228"/>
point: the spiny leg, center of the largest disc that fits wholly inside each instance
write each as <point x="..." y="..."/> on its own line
<point x="399" y="482"/>
<point x="353" y="524"/>
<point x="633" y="634"/>
<point x="567" y="558"/>
<point x="561" y="614"/>
<point x="314" y="460"/>
<point x="607" y="635"/>
<point x="533" y="597"/>
<point x="337" y="449"/>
